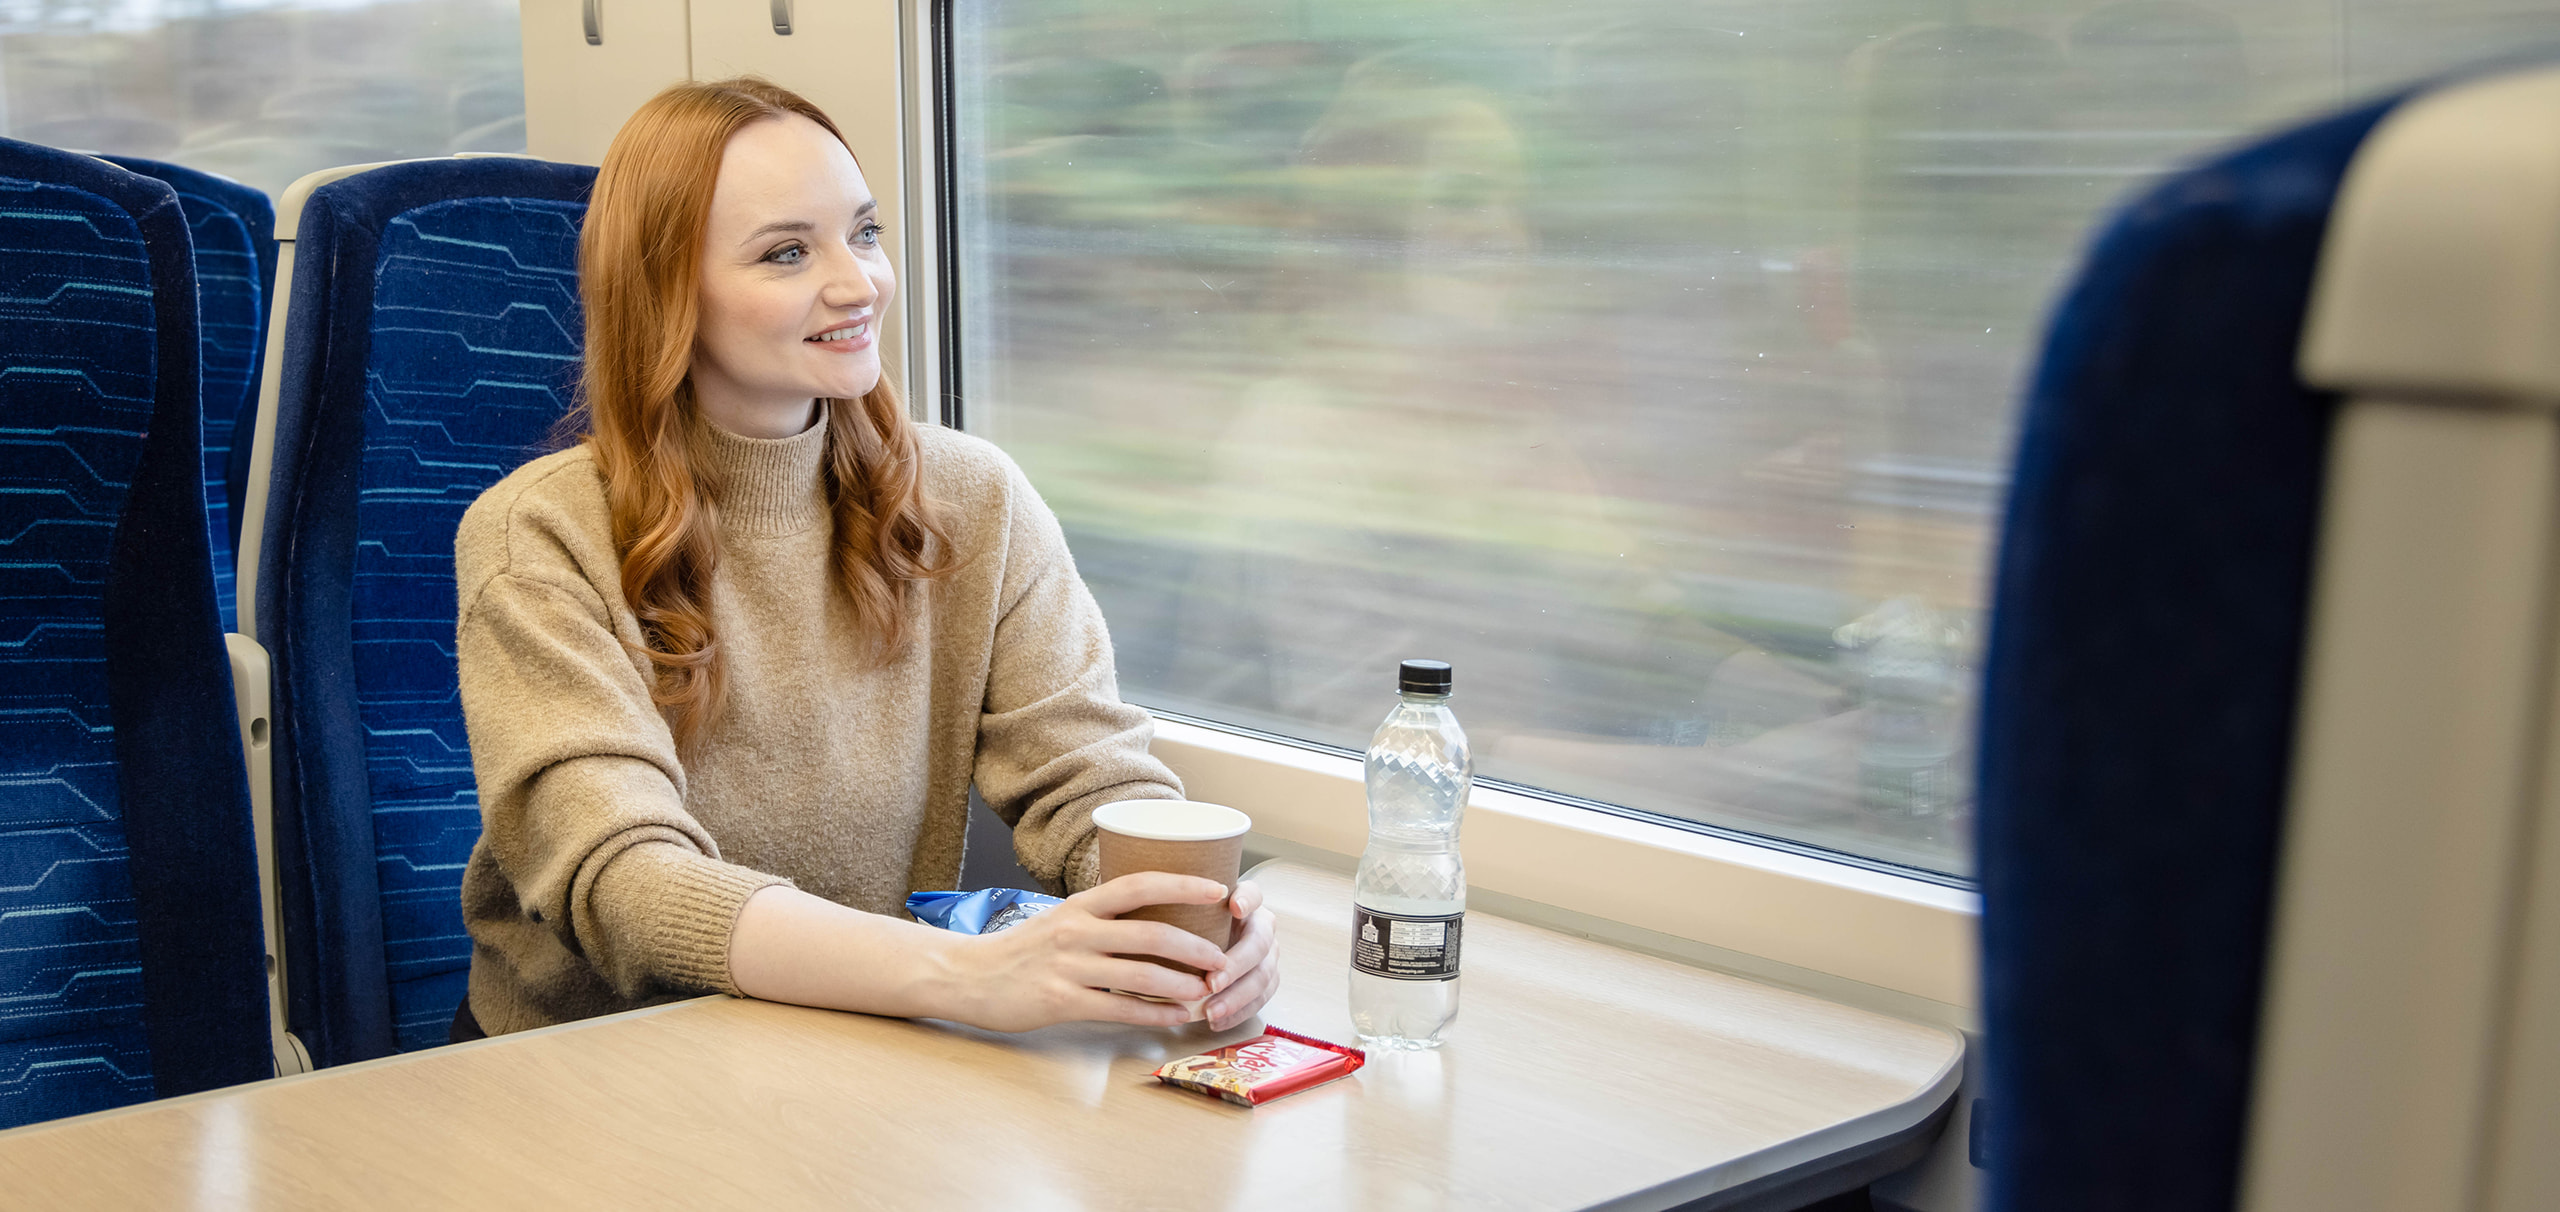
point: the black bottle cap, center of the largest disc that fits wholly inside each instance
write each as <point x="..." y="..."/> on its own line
<point x="1423" y="677"/>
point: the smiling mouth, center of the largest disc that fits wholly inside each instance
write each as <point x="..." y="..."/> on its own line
<point x="849" y="332"/>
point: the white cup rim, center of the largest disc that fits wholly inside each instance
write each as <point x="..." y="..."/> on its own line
<point x="1172" y="820"/>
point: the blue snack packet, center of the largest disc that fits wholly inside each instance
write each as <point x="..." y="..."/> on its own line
<point x="984" y="911"/>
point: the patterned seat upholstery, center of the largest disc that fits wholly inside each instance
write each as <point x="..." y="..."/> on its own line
<point x="234" y="228"/>
<point x="130" y="948"/>
<point x="432" y="341"/>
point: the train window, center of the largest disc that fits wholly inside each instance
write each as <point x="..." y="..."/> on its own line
<point x="263" y="90"/>
<point x="1655" y="363"/>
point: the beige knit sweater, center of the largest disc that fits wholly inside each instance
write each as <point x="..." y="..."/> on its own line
<point x="608" y="874"/>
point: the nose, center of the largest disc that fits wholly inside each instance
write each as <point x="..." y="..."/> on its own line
<point x="848" y="286"/>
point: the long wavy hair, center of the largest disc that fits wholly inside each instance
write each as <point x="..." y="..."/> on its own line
<point x="639" y="270"/>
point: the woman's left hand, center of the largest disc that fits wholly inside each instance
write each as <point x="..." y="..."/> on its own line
<point x="1254" y="962"/>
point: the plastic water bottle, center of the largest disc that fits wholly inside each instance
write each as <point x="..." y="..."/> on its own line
<point x="1409" y="900"/>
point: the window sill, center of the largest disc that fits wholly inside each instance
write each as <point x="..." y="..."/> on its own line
<point x="1888" y="942"/>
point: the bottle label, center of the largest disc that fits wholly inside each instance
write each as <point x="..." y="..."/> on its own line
<point x="1403" y="948"/>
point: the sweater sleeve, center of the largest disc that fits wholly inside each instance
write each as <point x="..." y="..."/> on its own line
<point x="581" y="795"/>
<point x="1055" y="742"/>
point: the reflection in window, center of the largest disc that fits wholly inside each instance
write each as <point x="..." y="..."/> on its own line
<point x="1654" y="362"/>
<point x="263" y="91"/>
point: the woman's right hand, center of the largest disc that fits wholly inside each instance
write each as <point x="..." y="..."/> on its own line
<point x="1058" y="966"/>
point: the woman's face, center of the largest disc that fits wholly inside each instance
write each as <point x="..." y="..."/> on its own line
<point x="794" y="281"/>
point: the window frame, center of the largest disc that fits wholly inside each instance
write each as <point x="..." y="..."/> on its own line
<point x="1857" y="930"/>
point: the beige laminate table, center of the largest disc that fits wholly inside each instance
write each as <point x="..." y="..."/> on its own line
<point x="1577" y="1076"/>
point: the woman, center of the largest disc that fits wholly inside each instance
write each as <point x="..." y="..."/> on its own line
<point x="731" y="664"/>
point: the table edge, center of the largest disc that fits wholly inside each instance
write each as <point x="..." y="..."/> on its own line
<point x="1801" y="1151"/>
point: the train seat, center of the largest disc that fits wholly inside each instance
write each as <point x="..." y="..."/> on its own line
<point x="234" y="230"/>
<point x="431" y="335"/>
<point x="2269" y="921"/>
<point x="130" y="950"/>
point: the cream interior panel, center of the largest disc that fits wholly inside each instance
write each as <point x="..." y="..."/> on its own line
<point x="2523" y="1168"/>
<point x="2409" y="782"/>
<point x="842" y="55"/>
<point x="921" y="236"/>
<point x="576" y="91"/>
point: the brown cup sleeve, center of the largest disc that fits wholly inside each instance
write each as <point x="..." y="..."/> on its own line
<point x="1218" y="860"/>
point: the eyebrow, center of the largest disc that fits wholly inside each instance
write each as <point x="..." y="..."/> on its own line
<point x="871" y="207"/>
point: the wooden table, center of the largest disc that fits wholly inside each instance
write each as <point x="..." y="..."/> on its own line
<point x="1577" y="1076"/>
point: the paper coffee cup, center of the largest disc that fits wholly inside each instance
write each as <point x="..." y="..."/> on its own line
<point x="1185" y="837"/>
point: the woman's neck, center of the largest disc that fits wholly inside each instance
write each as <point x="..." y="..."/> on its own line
<point x="755" y="418"/>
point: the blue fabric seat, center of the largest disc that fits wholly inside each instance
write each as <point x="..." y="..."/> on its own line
<point x="234" y="229"/>
<point x="432" y="343"/>
<point x="2140" y="687"/>
<point x="131" y="958"/>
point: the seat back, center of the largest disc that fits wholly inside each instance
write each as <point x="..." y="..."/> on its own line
<point x="431" y="343"/>
<point x="2409" y="1050"/>
<point x="2140" y="685"/>
<point x="2267" y="686"/>
<point x="234" y="230"/>
<point x="130" y="953"/>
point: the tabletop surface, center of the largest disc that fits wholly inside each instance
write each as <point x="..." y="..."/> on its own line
<point x="1576" y="1075"/>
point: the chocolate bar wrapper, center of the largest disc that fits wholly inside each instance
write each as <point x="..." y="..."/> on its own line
<point x="984" y="911"/>
<point x="1271" y="1065"/>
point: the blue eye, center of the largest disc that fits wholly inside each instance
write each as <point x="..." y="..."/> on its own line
<point x="869" y="236"/>
<point x="788" y="254"/>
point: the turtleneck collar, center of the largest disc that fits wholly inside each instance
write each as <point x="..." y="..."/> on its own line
<point x="770" y="486"/>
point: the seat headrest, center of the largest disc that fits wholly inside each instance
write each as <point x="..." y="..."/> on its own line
<point x="2440" y="272"/>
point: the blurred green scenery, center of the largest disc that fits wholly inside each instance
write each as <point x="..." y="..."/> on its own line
<point x="1655" y="363"/>
<point x="263" y="91"/>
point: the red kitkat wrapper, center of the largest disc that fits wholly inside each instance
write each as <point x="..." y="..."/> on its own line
<point x="1268" y="1066"/>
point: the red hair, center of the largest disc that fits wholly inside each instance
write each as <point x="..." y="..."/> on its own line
<point x="639" y="271"/>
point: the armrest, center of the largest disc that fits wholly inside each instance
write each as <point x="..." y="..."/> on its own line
<point x="250" y="686"/>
